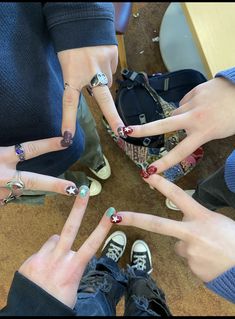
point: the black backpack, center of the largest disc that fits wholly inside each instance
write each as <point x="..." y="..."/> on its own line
<point x="137" y="98"/>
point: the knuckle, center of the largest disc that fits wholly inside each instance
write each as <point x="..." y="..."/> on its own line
<point x="31" y="183"/>
<point x="69" y="98"/>
<point x="31" y="149"/>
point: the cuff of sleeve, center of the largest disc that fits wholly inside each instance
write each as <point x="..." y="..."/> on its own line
<point x="224" y="285"/>
<point x="229" y="172"/>
<point x="77" y="34"/>
<point x="228" y="74"/>
<point x="26" y="298"/>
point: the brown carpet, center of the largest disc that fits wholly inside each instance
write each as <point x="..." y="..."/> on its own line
<point x="23" y="229"/>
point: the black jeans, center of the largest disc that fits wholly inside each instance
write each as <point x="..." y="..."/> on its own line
<point x="213" y="192"/>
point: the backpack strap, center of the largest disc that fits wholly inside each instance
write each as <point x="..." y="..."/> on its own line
<point x="141" y="78"/>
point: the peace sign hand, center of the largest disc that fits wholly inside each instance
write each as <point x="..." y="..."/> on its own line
<point x="27" y="180"/>
<point x="206" y="113"/>
<point x="206" y="238"/>
<point x="55" y="267"/>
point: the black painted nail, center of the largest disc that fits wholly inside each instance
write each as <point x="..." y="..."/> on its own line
<point x="72" y="190"/>
<point x="67" y="139"/>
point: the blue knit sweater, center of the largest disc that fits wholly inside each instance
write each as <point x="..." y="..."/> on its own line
<point x="224" y="285"/>
<point x="31" y="84"/>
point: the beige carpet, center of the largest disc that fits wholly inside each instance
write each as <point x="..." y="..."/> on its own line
<point x="23" y="229"/>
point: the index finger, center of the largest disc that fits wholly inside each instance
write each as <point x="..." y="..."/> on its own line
<point x="105" y="101"/>
<point x="155" y="224"/>
<point x="169" y="124"/>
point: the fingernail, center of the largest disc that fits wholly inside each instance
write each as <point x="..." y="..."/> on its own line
<point x="127" y="130"/>
<point x="151" y="170"/>
<point x="121" y="133"/>
<point x="115" y="219"/>
<point x="110" y="211"/>
<point x="83" y="190"/>
<point x="144" y="174"/>
<point x="67" y="139"/>
<point x="72" y="190"/>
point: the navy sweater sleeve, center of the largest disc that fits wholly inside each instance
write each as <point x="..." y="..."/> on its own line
<point x="80" y="24"/>
<point x="27" y="299"/>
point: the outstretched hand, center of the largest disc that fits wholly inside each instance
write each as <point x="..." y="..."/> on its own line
<point x="55" y="267"/>
<point x="79" y="66"/>
<point x="206" y="238"/>
<point x="206" y="113"/>
<point x="32" y="181"/>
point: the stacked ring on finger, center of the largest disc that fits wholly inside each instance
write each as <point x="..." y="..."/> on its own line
<point x="16" y="187"/>
<point x="20" y="152"/>
<point x="99" y="79"/>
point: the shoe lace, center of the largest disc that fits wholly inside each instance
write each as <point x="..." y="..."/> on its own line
<point x="114" y="252"/>
<point x="139" y="262"/>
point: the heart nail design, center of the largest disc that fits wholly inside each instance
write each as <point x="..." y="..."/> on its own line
<point x="144" y="174"/>
<point x="151" y="170"/>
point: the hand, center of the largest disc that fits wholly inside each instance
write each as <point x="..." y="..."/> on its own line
<point x="206" y="238"/>
<point x="32" y="181"/>
<point x="78" y="67"/>
<point x="206" y="113"/>
<point x="55" y="267"/>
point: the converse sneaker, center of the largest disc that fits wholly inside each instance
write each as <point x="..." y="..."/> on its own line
<point x="103" y="171"/>
<point x="114" y="246"/>
<point x="141" y="257"/>
<point x="172" y="206"/>
<point x="94" y="186"/>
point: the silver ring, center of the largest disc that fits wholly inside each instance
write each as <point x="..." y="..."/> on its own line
<point x="99" y="79"/>
<point x="16" y="187"/>
<point x="20" y="152"/>
<point x="66" y="85"/>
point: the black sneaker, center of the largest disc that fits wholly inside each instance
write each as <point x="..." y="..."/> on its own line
<point x="141" y="257"/>
<point x="114" y="246"/>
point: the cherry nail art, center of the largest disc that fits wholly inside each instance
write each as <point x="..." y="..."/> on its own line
<point x="151" y="170"/>
<point x="67" y="139"/>
<point x="144" y="174"/>
<point x="115" y="219"/>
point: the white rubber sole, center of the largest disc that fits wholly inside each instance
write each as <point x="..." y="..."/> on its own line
<point x="172" y="206"/>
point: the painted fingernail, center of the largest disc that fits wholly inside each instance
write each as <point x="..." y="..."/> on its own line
<point x="151" y="170"/>
<point x="144" y="174"/>
<point x="115" y="219"/>
<point x="72" y="190"/>
<point x="127" y="130"/>
<point x="67" y="139"/>
<point x="110" y="211"/>
<point x="83" y="190"/>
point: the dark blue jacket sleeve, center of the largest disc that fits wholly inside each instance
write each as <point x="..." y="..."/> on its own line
<point x="80" y="24"/>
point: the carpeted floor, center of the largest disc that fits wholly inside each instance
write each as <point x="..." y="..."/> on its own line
<point x="23" y="229"/>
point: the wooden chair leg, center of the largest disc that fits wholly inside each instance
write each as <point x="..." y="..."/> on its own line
<point x="122" y="51"/>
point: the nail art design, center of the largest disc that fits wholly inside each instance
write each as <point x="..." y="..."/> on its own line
<point x="72" y="190"/>
<point x="67" y="139"/>
<point x="144" y="174"/>
<point x="83" y="190"/>
<point x="110" y="211"/>
<point x="115" y="219"/>
<point x="151" y="170"/>
<point x="124" y="131"/>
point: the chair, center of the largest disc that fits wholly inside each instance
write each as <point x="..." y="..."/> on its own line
<point x="123" y="12"/>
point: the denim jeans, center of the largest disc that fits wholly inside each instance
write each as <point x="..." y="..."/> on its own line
<point x="104" y="283"/>
<point x="213" y="192"/>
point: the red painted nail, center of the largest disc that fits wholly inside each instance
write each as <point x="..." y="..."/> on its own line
<point x="115" y="219"/>
<point x="151" y="170"/>
<point x="144" y="174"/>
<point x="127" y="130"/>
